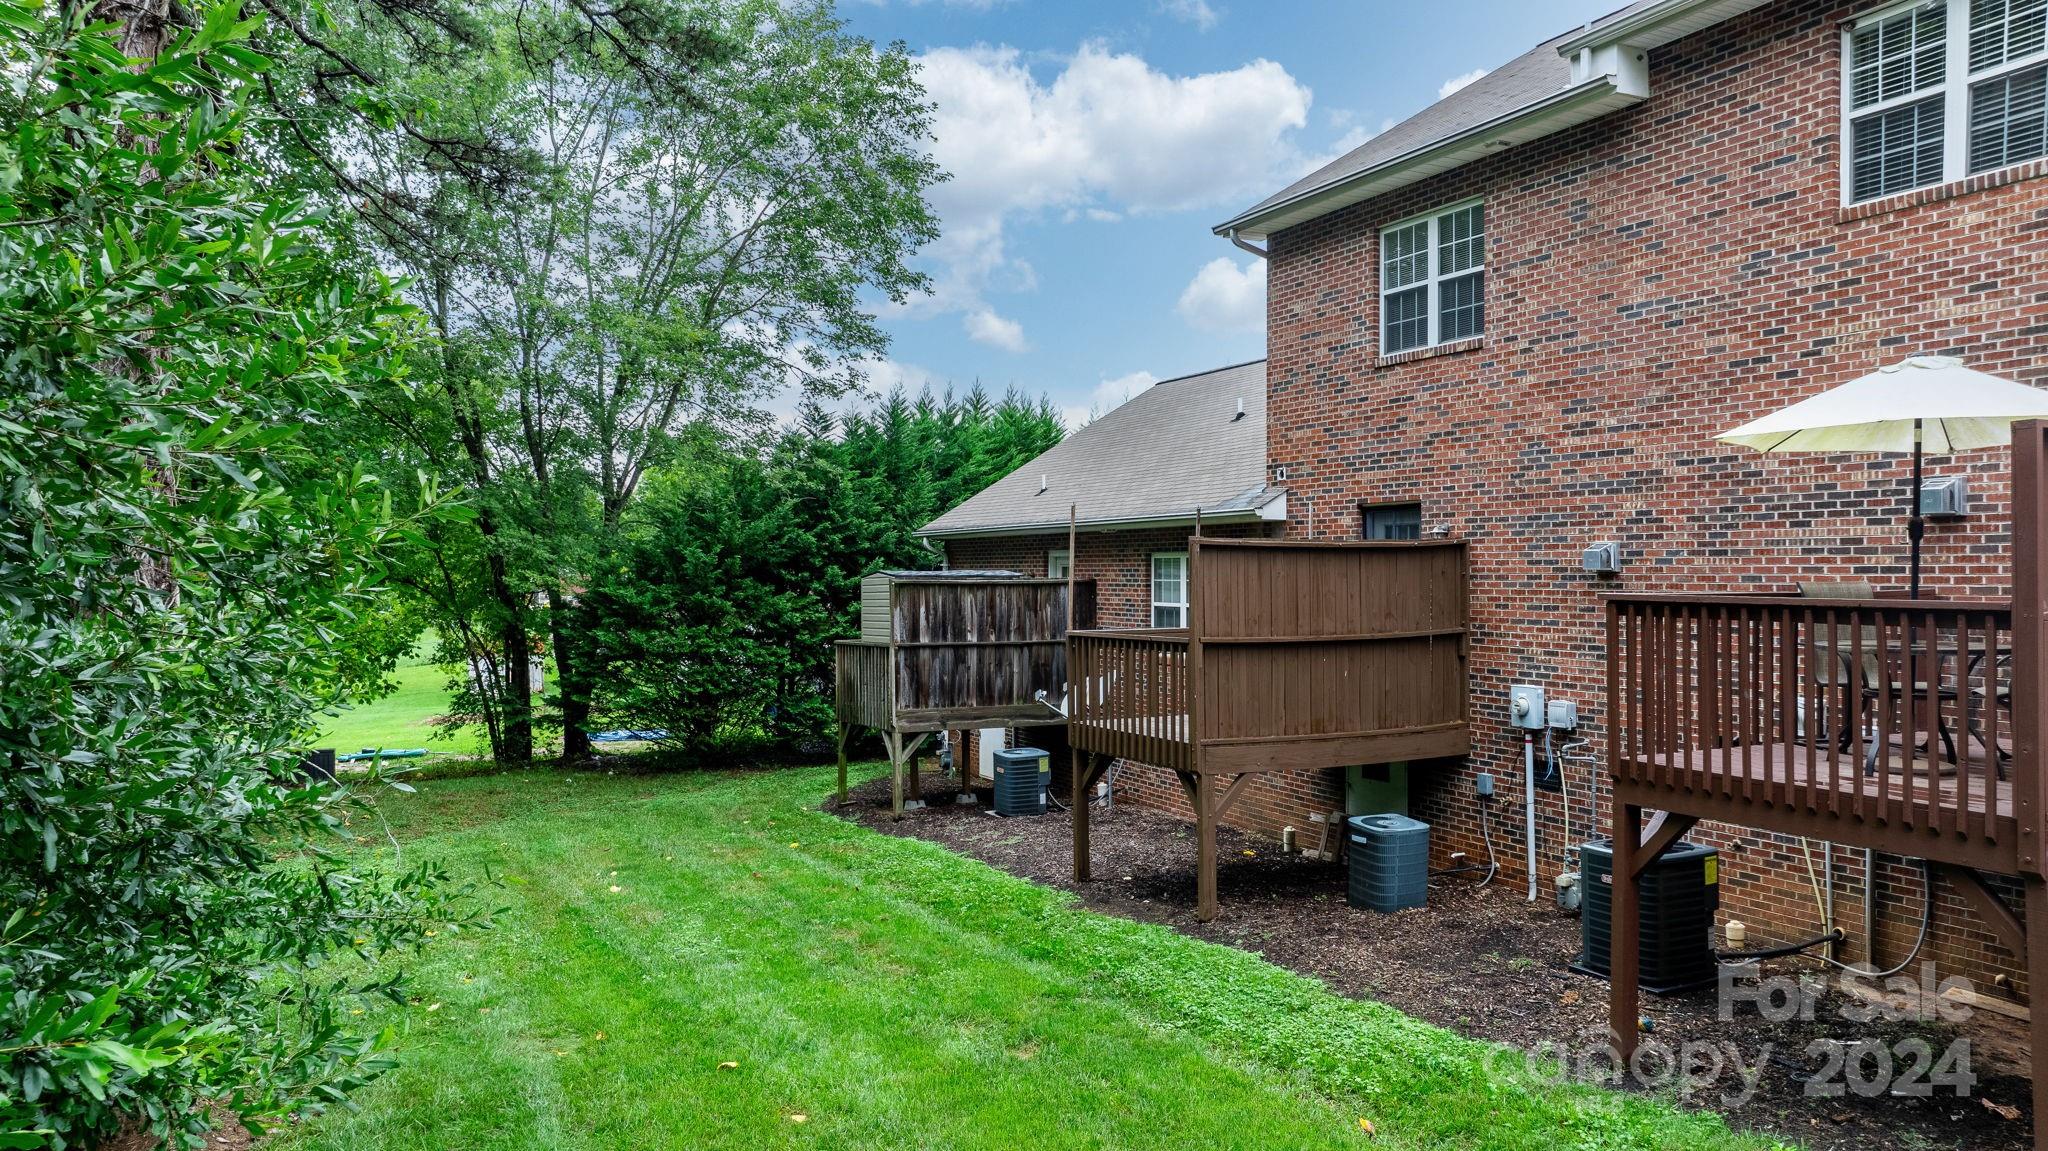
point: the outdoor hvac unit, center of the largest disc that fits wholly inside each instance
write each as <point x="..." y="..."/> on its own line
<point x="1023" y="776"/>
<point x="1389" y="862"/>
<point x="1680" y="891"/>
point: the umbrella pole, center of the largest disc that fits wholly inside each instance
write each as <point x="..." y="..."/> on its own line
<point x="1916" y="527"/>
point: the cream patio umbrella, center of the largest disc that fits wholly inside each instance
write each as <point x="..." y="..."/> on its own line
<point x="1923" y="405"/>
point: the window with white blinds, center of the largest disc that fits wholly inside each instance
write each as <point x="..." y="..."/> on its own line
<point x="1170" y="589"/>
<point x="1937" y="90"/>
<point x="1433" y="279"/>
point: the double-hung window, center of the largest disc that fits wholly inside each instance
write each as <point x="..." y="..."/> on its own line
<point x="1433" y="279"/>
<point x="1939" y="90"/>
<point x="1170" y="589"/>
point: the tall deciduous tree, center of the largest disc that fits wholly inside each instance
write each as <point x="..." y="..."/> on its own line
<point x="181" y="579"/>
<point x="707" y="217"/>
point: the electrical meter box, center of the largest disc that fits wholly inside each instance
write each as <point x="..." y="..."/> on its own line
<point x="1525" y="707"/>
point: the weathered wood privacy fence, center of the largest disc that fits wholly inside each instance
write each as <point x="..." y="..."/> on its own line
<point x="1297" y="656"/>
<point x="1900" y="725"/>
<point x="943" y="651"/>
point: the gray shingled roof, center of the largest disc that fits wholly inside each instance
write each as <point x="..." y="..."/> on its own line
<point x="1530" y="78"/>
<point x="1168" y="450"/>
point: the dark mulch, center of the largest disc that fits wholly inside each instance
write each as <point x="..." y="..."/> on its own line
<point x="1485" y="963"/>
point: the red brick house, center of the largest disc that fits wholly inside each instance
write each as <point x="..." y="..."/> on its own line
<point x="1520" y="317"/>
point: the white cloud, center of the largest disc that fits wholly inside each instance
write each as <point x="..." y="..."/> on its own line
<point x="1107" y="396"/>
<point x="1456" y="82"/>
<point x="875" y="378"/>
<point x="1226" y="296"/>
<point x="985" y="327"/>
<point x="1107" y="135"/>
<point x="1351" y="139"/>
<point x="885" y="375"/>
<point x="1196" y="12"/>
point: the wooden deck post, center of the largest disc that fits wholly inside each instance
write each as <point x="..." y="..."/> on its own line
<point x="2037" y="998"/>
<point x="1205" y="848"/>
<point x="842" y="764"/>
<point x="1625" y="944"/>
<point x="894" y="742"/>
<point x="1080" y="789"/>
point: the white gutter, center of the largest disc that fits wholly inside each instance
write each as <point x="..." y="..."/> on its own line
<point x="1582" y="101"/>
<point x="1656" y="25"/>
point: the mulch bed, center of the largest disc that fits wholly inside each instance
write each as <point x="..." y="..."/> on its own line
<point x="1485" y="963"/>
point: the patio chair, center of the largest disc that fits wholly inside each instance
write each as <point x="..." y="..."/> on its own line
<point x="1995" y="692"/>
<point x="1830" y="667"/>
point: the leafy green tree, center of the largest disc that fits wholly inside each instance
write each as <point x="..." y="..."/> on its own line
<point x="707" y="217"/>
<point x="181" y="584"/>
<point x="716" y="617"/>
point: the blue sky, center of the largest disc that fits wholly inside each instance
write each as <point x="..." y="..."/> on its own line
<point x="1093" y="145"/>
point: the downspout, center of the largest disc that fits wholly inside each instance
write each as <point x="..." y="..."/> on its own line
<point x="1254" y="249"/>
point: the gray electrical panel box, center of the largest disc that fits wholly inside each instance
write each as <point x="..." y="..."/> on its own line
<point x="1602" y="559"/>
<point x="1525" y="706"/>
<point x="1564" y="715"/>
<point x="1945" y="497"/>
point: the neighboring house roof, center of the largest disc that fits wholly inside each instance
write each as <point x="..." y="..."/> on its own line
<point x="1167" y="451"/>
<point x="1570" y="79"/>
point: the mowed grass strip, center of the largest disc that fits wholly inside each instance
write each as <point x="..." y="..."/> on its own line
<point x="766" y="975"/>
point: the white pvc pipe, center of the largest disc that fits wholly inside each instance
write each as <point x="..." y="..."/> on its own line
<point x="1529" y="805"/>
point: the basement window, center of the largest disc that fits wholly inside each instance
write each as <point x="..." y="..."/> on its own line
<point x="1393" y="522"/>
<point x="1170" y="589"/>
<point x="1433" y="279"/>
<point x="1940" y="90"/>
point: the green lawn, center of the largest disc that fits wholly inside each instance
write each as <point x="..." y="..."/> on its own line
<point x="709" y="961"/>
<point x="406" y="717"/>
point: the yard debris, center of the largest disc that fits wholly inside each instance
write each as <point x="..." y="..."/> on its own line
<point x="2002" y="1110"/>
<point x="433" y="1007"/>
<point x="1366" y="1126"/>
<point x="616" y="889"/>
<point x="799" y="1117"/>
<point x="729" y="1065"/>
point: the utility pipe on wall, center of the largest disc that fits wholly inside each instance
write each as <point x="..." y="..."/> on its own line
<point x="1529" y="804"/>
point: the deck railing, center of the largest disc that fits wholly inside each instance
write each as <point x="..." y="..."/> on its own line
<point x="1892" y="713"/>
<point x="1129" y="695"/>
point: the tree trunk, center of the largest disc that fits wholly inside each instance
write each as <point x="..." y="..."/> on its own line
<point x="516" y="691"/>
<point x="572" y="678"/>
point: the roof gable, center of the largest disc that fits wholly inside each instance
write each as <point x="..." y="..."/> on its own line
<point x="1176" y="447"/>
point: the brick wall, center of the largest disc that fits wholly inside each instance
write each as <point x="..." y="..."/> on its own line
<point x="1655" y="277"/>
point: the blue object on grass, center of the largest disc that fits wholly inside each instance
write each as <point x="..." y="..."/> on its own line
<point x="370" y="753"/>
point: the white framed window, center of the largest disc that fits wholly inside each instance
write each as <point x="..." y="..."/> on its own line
<point x="1939" y="90"/>
<point x="1056" y="564"/>
<point x="1170" y="589"/>
<point x="1433" y="279"/>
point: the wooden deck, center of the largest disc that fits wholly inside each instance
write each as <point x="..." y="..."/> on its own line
<point x="959" y="654"/>
<point x="1802" y="790"/>
<point x="1709" y="704"/>
<point x="1299" y="656"/>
